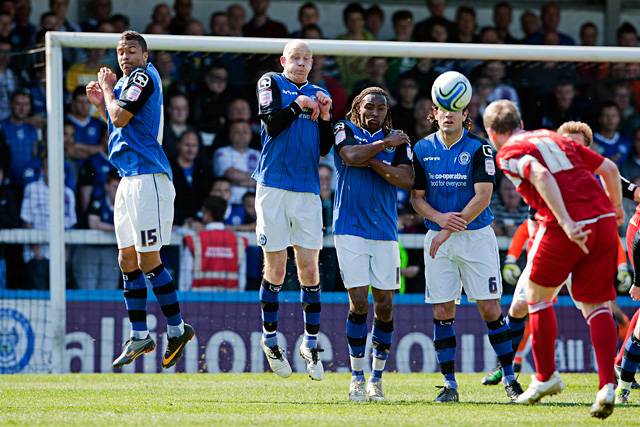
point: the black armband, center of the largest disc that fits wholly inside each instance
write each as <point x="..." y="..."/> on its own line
<point x="326" y="136"/>
<point x="628" y="188"/>
<point x="282" y="119"/>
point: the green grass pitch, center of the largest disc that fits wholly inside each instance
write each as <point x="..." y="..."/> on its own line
<point x="264" y="399"/>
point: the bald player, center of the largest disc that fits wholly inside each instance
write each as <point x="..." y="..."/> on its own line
<point x="296" y="130"/>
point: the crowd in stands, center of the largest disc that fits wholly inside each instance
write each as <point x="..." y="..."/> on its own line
<point x="211" y="130"/>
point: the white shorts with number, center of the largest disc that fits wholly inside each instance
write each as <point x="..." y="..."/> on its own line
<point x="143" y="212"/>
<point x="365" y="262"/>
<point x="468" y="258"/>
<point x="287" y="218"/>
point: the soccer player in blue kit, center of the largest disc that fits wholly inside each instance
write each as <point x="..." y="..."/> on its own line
<point x="371" y="159"/>
<point x="296" y="130"/>
<point x="143" y="208"/>
<point x="454" y="178"/>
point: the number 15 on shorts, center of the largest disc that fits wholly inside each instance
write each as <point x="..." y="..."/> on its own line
<point x="149" y="237"/>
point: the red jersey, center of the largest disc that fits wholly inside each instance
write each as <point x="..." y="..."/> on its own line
<point x="572" y="166"/>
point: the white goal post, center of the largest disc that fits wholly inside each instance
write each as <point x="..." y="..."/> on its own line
<point x="55" y="41"/>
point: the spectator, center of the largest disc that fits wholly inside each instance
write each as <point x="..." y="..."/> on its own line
<point x="210" y="104"/>
<point x="167" y="69"/>
<point x="496" y="72"/>
<point x="308" y="14"/>
<point x="237" y="19"/>
<point x="353" y="69"/>
<point x="81" y="73"/>
<point x="120" y="23"/>
<point x="23" y="33"/>
<point x="8" y="80"/>
<point x="8" y="219"/>
<point x="250" y="216"/>
<point x="219" y="24"/>
<point x="21" y="137"/>
<point x="194" y="28"/>
<point x="465" y="25"/>
<point x="488" y="35"/>
<point x="330" y="66"/>
<point x="88" y="130"/>
<point x="424" y="107"/>
<point x="237" y="161"/>
<point x="261" y="25"/>
<point x="100" y="10"/>
<point x="621" y="96"/>
<point x="175" y="123"/>
<point x="93" y="173"/>
<point x="424" y="74"/>
<point x="631" y="167"/>
<point x="439" y="32"/>
<point x="240" y="111"/>
<point x="588" y="34"/>
<point x="529" y="24"/>
<point x="35" y="214"/>
<point x="5" y="25"/>
<point x="402" y="113"/>
<point x="550" y="15"/>
<point x="402" y="21"/>
<point x="60" y="9"/>
<point x="326" y="196"/>
<point x="627" y="35"/>
<point x="374" y="20"/>
<point x="376" y="70"/>
<point x="215" y="257"/>
<point x="508" y="209"/>
<point x="161" y="16"/>
<point x="191" y="179"/>
<point x="422" y="31"/>
<point x="607" y="140"/>
<point x="562" y="106"/>
<point x="182" y="17"/>
<point x="502" y="17"/>
<point x="96" y="266"/>
<point x="234" y="214"/>
<point x="331" y="84"/>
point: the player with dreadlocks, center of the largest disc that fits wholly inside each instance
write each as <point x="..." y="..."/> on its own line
<point x="373" y="158"/>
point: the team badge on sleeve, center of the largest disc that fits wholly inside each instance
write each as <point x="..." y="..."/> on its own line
<point x="140" y="78"/>
<point x="265" y="97"/>
<point x="340" y="133"/>
<point x="133" y="93"/>
<point x="409" y="152"/>
<point x="490" y="167"/>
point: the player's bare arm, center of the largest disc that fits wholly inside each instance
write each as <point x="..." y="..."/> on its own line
<point x="452" y="221"/>
<point x="359" y="155"/>
<point x="544" y="182"/>
<point x="107" y="80"/>
<point x="610" y="175"/>
<point x="400" y="175"/>
<point x="479" y="202"/>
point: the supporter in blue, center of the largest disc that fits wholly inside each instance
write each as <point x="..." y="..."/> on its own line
<point x="23" y="33"/>
<point x="234" y="215"/>
<point x="608" y="141"/>
<point x="88" y="130"/>
<point x="191" y="179"/>
<point x="550" y="15"/>
<point x="552" y="110"/>
<point x="93" y="175"/>
<point x="21" y="137"/>
<point x="100" y="10"/>
<point x="8" y="80"/>
<point x="422" y="31"/>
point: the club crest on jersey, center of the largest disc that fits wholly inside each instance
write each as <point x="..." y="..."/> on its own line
<point x="464" y="158"/>
<point x="262" y="239"/>
<point x="140" y="78"/>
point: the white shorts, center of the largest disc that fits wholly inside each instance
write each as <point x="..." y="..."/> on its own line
<point x="365" y="262"/>
<point x="287" y="218"/>
<point x="520" y="293"/>
<point x="143" y="212"/>
<point x="468" y="258"/>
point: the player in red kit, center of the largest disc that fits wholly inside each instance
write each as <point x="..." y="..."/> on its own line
<point x="577" y="236"/>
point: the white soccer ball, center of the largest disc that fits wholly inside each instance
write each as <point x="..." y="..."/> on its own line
<point x="451" y="91"/>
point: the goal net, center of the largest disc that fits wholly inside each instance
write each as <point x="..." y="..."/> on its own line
<point x="61" y="303"/>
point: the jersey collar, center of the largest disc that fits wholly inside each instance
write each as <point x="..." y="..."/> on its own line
<point x="298" y="85"/>
<point x="464" y="133"/>
<point x="371" y="135"/>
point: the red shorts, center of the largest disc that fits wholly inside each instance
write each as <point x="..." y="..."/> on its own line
<point x="632" y="235"/>
<point x="555" y="257"/>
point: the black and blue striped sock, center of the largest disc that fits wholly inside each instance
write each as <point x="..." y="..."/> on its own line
<point x="444" y="341"/>
<point x="135" y="298"/>
<point x="165" y="292"/>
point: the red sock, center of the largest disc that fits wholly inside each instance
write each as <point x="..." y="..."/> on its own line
<point x="544" y="329"/>
<point x="604" y="340"/>
<point x="632" y="326"/>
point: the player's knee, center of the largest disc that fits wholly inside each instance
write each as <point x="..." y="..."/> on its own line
<point x="127" y="261"/>
<point x="359" y="305"/>
<point x="444" y="311"/>
<point x="275" y="273"/>
<point x="384" y="310"/>
<point x="308" y="274"/>
<point x="489" y="310"/>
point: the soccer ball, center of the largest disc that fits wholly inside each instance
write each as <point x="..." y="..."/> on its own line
<point x="451" y="91"/>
